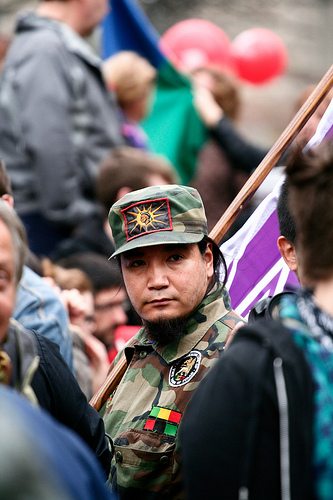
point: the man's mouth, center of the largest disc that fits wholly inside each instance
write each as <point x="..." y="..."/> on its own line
<point x="160" y="302"/>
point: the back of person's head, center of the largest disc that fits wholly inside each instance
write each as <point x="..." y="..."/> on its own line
<point x="5" y="184"/>
<point x="103" y="273"/>
<point x="286" y="221"/>
<point x="131" y="168"/>
<point x="129" y="75"/>
<point x="67" y="278"/>
<point x="19" y="237"/>
<point x="310" y="174"/>
<point x="224" y="89"/>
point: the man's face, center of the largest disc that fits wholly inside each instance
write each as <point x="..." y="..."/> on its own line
<point x="109" y="313"/>
<point x="166" y="282"/>
<point x="95" y="10"/>
<point x="7" y="279"/>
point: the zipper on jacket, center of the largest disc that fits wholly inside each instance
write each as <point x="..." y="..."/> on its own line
<point x="282" y="398"/>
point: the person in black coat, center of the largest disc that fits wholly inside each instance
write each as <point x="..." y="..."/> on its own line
<point x="260" y="424"/>
<point x="31" y="363"/>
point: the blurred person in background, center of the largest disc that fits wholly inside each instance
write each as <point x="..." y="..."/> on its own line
<point x="227" y="160"/>
<point x="123" y="170"/>
<point x="41" y="459"/>
<point x="53" y="135"/>
<point x="90" y="356"/>
<point x="37" y="306"/>
<point x="110" y="299"/>
<point x="31" y="363"/>
<point x="4" y="46"/>
<point x="132" y="79"/>
<point x="261" y="422"/>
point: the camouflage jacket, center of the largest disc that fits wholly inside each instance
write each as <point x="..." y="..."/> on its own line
<point x="144" y="413"/>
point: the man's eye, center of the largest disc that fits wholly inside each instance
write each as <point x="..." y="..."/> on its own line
<point x="3" y="278"/>
<point x="175" y="257"/>
<point x="136" y="263"/>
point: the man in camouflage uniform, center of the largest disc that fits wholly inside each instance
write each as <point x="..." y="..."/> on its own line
<point x="170" y="269"/>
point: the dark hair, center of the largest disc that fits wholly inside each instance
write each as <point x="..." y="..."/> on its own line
<point x="103" y="273"/>
<point x="130" y="167"/>
<point x="310" y="174"/>
<point x="286" y="222"/>
<point x="218" y="259"/>
<point x="5" y="184"/>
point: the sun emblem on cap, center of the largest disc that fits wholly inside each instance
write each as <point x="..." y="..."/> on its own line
<point x="147" y="217"/>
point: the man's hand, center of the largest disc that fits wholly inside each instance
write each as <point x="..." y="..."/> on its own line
<point x="206" y="106"/>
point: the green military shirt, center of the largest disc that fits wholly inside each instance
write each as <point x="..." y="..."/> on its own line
<point x="144" y="413"/>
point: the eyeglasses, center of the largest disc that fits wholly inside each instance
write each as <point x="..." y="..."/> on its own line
<point x="110" y="305"/>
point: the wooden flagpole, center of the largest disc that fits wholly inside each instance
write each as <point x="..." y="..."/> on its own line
<point x="272" y="157"/>
<point x="235" y="208"/>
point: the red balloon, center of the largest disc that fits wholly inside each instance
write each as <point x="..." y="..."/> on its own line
<point x="195" y="43"/>
<point x="258" y="55"/>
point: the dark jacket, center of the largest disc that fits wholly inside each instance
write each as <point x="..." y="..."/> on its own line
<point x="38" y="365"/>
<point x="53" y="135"/>
<point x="253" y="406"/>
<point x="240" y="153"/>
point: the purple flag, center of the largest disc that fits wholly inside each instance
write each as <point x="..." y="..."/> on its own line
<point x="255" y="266"/>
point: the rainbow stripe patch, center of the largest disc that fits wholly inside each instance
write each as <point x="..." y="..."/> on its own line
<point x="163" y="421"/>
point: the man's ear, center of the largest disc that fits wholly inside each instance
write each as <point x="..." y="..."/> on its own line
<point x="288" y="252"/>
<point x="209" y="260"/>
<point x="8" y="199"/>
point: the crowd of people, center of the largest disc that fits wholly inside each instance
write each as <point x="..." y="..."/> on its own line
<point x="107" y="267"/>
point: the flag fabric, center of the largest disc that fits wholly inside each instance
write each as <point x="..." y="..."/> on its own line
<point x="173" y="126"/>
<point x="324" y="129"/>
<point x="255" y="267"/>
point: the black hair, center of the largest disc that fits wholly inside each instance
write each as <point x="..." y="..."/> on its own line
<point x="287" y="224"/>
<point x="218" y="259"/>
<point x="102" y="272"/>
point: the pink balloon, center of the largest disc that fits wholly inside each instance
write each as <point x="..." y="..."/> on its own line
<point x="195" y="43"/>
<point x="258" y="55"/>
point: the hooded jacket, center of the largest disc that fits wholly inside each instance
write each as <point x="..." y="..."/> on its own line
<point x="248" y="431"/>
<point x="57" y="121"/>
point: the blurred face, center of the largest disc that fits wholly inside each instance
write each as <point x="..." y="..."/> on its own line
<point x="94" y="11"/>
<point x="166" y="282"/>
<point x="89" y="325"/>
<point x="311" y="125"/>
<point x="109" y="313"/>
<point x="7" y="279"/>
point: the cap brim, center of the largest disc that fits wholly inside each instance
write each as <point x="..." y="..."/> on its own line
<point x="159" y="238"/>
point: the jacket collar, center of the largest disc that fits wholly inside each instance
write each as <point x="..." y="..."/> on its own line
<point x="72" y="40"/>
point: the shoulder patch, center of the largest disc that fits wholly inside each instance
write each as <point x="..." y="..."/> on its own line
<point x="184" y="369"/>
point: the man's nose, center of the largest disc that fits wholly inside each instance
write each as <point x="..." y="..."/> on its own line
<point x="158" y="277"/>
